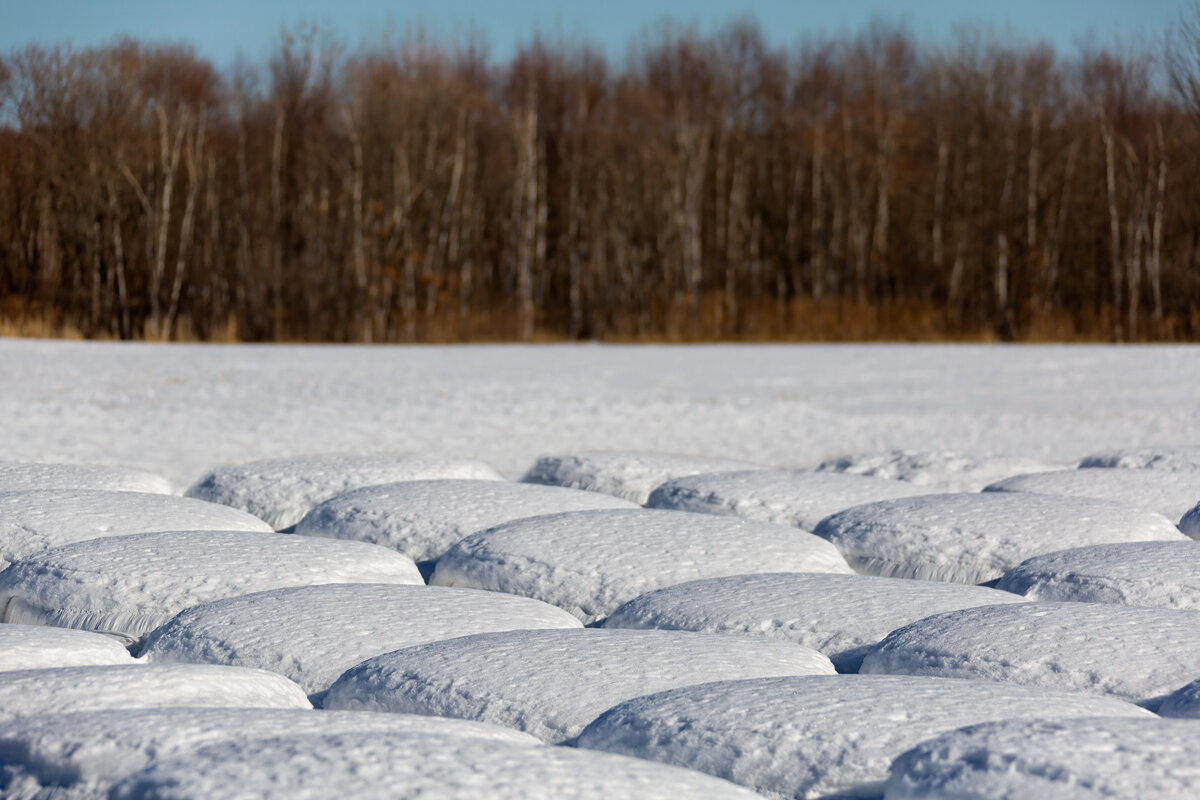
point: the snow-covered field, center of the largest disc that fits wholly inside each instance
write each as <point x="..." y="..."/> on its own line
<point x="154" y="645"/>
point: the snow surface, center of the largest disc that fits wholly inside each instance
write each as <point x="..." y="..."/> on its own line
<point x="22" y="476"/>
<point x="1165" y="458"/>
<point x="1162" y="574"/>
<point x="813" y="737"/>
<point x="939" y="470"/>
<point x="842" y="616"/>
<point x="1169" y="492"/>
<point x="1190" y="523"/>
<point x="1183" y="702"/>
<point x="282" y="490"/>
<point x="629" y="475"/>
<point x="315" y="633"/>
<point x="81" y="755"/>
<point x="1138" y="654"/>
<point x="1081" y="759"/>
<point x="36" y="520"/>
<point x="180" y="409"/>
<point x="34" y="693"/>
<point x="553" y="683"/>
<point x="800" y="499"/>
<point x="423" y="519"/>
<point x="398" y="767"/>
<point x="129" y="585"/>
<point x="39" y="647"/>
<point x="974" y="538"/>
<point x="590" y="562"/>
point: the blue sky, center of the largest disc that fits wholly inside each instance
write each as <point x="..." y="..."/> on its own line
<point x="220" y="29"/>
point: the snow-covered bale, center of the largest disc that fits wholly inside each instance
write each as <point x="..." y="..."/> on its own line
<point x="553" y="683"/>
<point x="941" y="470"/>
<point x="408" y="767"/>
<point x="423" y="519"/>
<point x="1183" y="702"/>
<point x="36" y="520"/>
<point x="1137" y="654"/>
<point x="785" y="497"/>
<point x="591" y="562"/>
<point x="1169" y="492"/>
<point x="1162" y="574"/>
<point x="630" y="475"/>
<point x="23" y="476"/>
<point x="1166" y="458"/>
<point x="1081" y="759"/>
<point x="1190" y="523"/>
<point x="81" y="755"/>
<point x="282" y="490"/>
<point x="315" y="633"/>
<point x="974" y="538"/>
<point x="818" y="736"/>
<point x="842" y="616"/>
<point x="38" y="692"/>
<point x="129" y="585"/>
<point x="40" y="647"/>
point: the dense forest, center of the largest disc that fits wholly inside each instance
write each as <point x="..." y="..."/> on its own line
<point x="708" y="187"/>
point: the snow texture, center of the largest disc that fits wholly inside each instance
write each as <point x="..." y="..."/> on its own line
<point x="939" y="470"/>
<point x="1165" y="458"/>
<point x="1161" y="574"/>
<point x="39" y="647"/>
<point x="423" y="519"/>
<point x="630" y="475"/>
<point x="81" y="755"/>
<point x="407" y="767"/>
<point x="1183" y="702"/>
<point x="590" y="562"/>
<point x="842" y="616"/>
<point x="1137" y="654"/>
<point x="129" y="585"/>
<point x="1190" y="523"/>
<point x="36" y="520"/>
<point x="315" y="633"/>
<point x="23" y="476"/>
<point x="553" y="683"/>
<point x="1169" y="492"/>
<point x="799" y="499"/>
<point x="35" y="693"/>
<point x="815" y="737"/>
<point x="282" y="490"/>
<point x="975" y="538"/>
<point x="1081" y="759"/>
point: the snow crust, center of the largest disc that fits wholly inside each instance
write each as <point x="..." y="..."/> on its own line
<point x="282" y="490"/>
<point x="842" y="616"/>
<point x="39" y="647"/>
<point x="36" y="520"/>
<point x="940" y="470"/>
<point x="129" y="585"/>
<point x="81" y="755"/>
<point x="423" y="519"/>
<point x="1161" y="574"/>
<point x="1169" y="492"/>
<point x="552" y="683"/>
<point x="813" y="737"/>
<point x="1081" y="759"/>
<point x="591" y="562"/>
<point x="974" y="538"/>
<point x="23" y="476"/>
<point x="1137" y="654"/>
<point x="1165" y="458"/>
<point x="313" y="634"/>
<point x="629" y="475"/>
<point x="34" y="693"/>
<point x="400" y="767"/>
<point x="800" y="499"/>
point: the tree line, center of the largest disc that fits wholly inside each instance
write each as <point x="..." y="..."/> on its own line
<point x="710" y="187"/>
